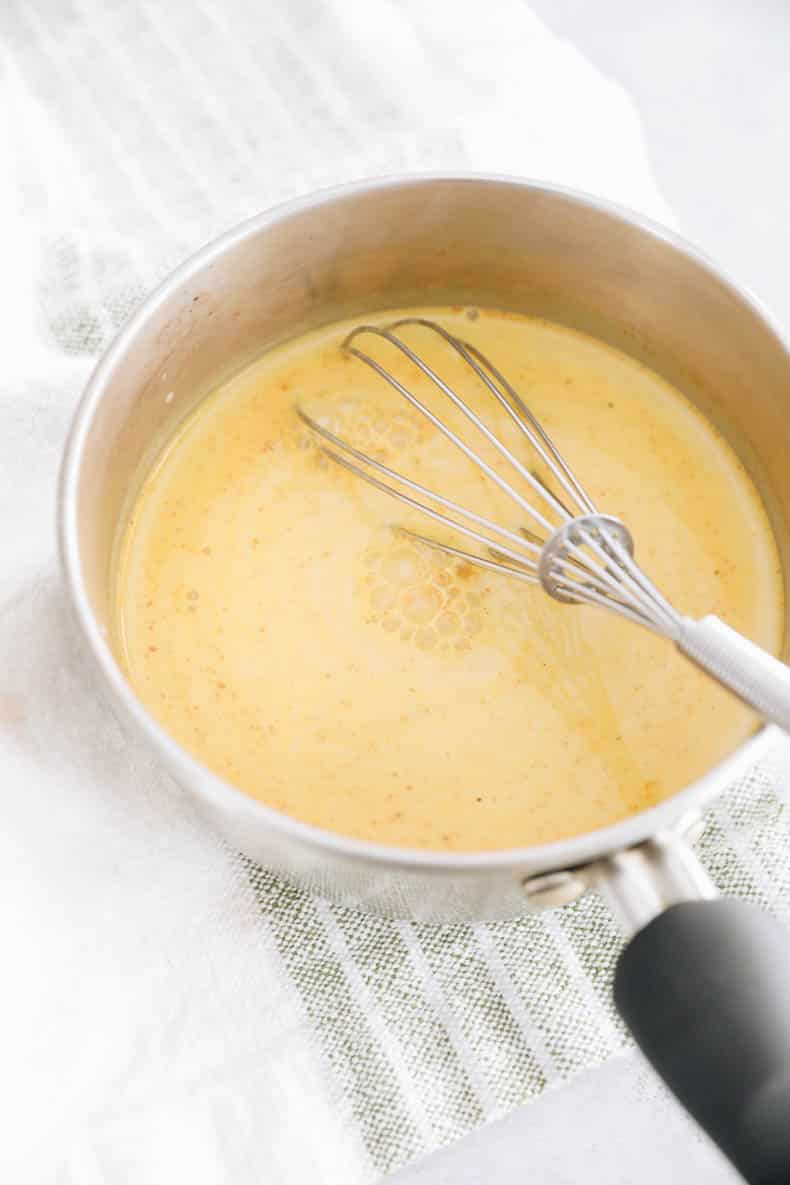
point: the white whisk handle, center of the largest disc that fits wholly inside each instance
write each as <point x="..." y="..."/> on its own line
<point x="756" y="677"/>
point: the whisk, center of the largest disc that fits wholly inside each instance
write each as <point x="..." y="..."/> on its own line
<point x="577" y="554"/>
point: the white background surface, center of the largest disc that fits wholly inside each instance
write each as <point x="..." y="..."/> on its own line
<point x="711" y="84"/>
<point x="609" y="1127"/>
<point x="148" y="1032"/>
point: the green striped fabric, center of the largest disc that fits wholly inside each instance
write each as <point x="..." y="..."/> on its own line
<point x="431" y="1030"/>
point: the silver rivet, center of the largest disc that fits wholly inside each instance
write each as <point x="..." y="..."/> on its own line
<point x="551" y="889"/>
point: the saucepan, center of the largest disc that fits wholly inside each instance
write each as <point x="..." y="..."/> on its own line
<point x="704" y="983"/>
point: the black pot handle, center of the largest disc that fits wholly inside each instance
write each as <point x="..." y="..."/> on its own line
<point x="705" y="989"/>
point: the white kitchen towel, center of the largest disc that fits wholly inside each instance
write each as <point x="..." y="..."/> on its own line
<point x="169" y="1013"/>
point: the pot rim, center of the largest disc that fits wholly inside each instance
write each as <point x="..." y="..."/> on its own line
<point x="561" y="854"/>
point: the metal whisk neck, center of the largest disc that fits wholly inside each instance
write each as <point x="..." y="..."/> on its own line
<point x="590" y="560"/>
<point x="577" y="554"/>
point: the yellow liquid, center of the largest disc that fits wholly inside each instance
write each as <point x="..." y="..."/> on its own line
<point x="281" y="630"/>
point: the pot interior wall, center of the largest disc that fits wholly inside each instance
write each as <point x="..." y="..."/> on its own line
<point x="492" y="243"/>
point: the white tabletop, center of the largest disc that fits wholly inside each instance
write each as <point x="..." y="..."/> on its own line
<point x="612" y="1126"/>
<point x="712" y="87"/>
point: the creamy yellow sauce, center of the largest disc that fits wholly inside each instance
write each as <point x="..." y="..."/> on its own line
<point x="279" y="628"/>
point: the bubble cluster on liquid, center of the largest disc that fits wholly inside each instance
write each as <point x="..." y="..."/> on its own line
<point x="431" y="600"/>
<point x="383" y="433"/>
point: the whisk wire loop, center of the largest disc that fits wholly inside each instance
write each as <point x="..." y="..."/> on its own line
<point x="516" y="408"/>
<point x="453" y="436"/>
<point x="580" y="556"/>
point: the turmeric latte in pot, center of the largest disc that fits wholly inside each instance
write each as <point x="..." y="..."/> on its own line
<point x="284" y="633"/>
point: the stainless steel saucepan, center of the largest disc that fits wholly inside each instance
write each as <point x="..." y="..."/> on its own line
<point x="703" y="983"/>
